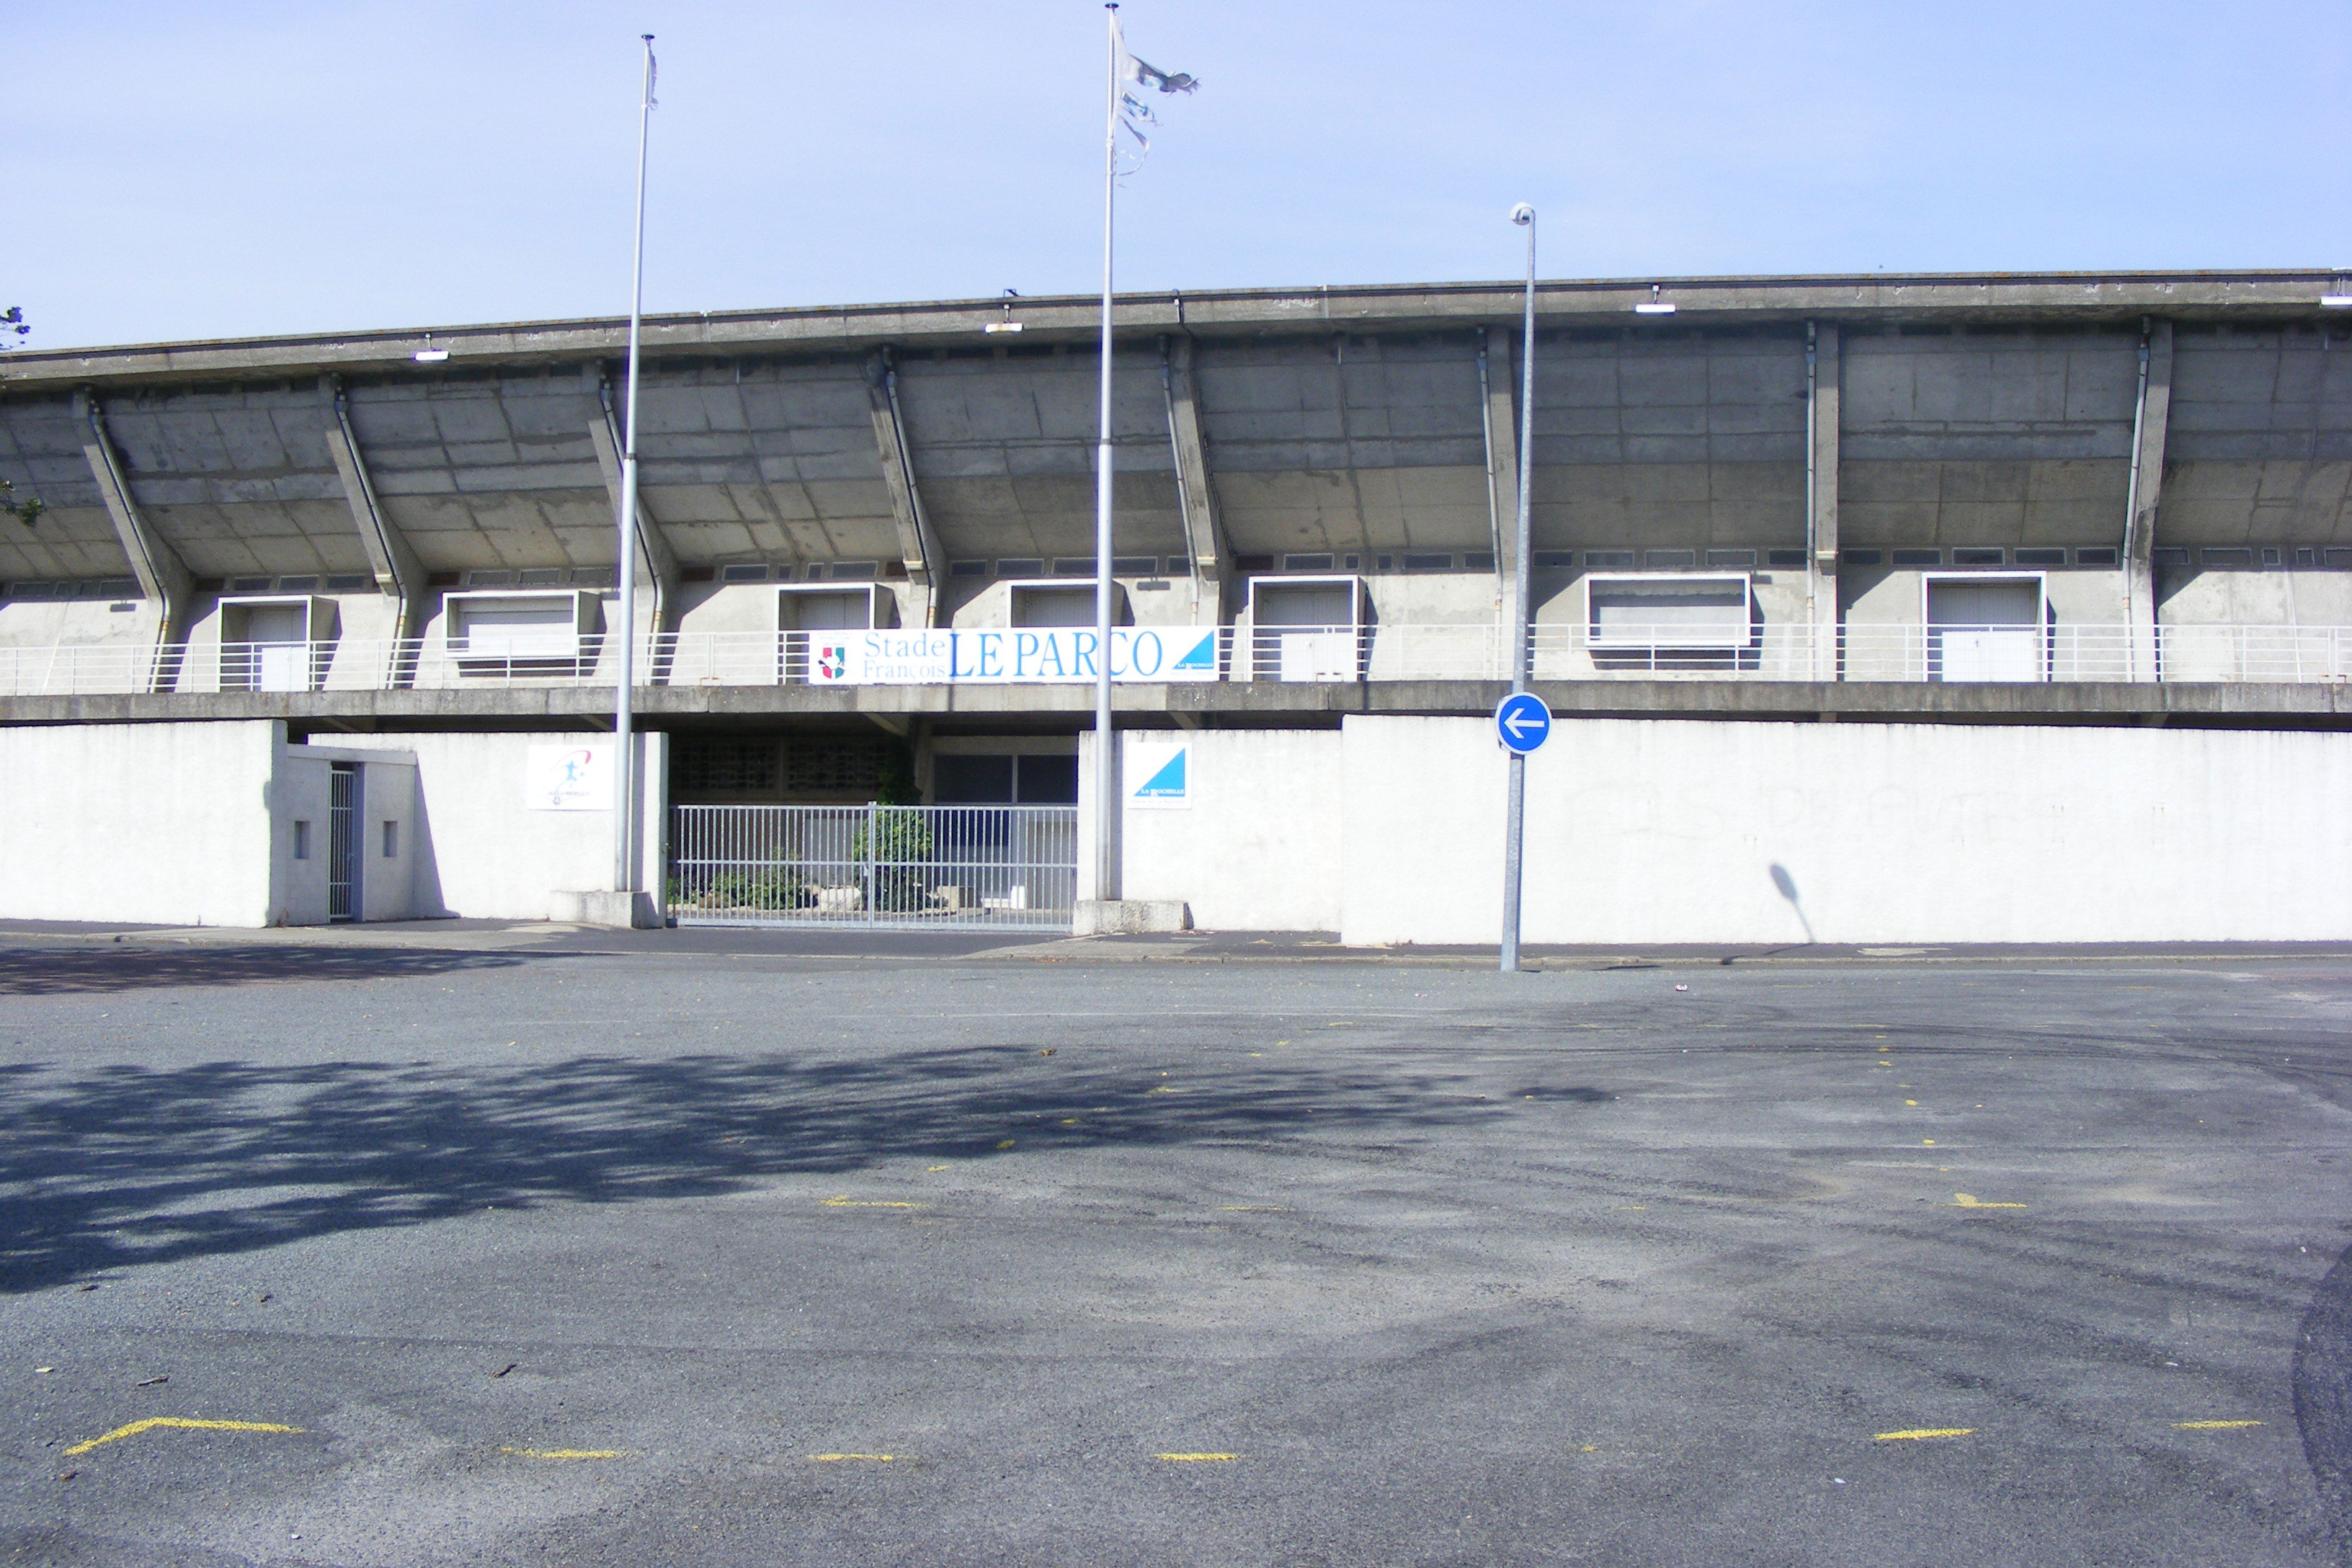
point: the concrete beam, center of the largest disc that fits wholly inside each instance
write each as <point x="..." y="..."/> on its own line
<point x="918" y="545"/>
<point x="2151" y="417"/>
<point x="397" y="570"/>
<point x="1825" y="416"/>
<point x="1973" y="297"/>
<point x="164" y="577"/>
<point x="1196" y="491"/>
<point x="655" y="563"/>
<point x="1499" y="385"/>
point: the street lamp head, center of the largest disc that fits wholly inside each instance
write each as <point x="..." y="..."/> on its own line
<point x="1523" y="214"/>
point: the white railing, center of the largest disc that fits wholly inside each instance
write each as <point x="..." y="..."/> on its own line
<point x="1387" y="652"/>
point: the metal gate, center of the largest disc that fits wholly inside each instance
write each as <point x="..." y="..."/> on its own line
<point x="875" y="867"/>
<point x="342" y="841"/>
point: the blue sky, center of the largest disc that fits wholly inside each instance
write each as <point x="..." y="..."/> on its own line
<point x="192" y="171"/>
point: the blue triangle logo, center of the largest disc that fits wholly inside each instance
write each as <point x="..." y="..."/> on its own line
<point x="1202" y="656"/>
<point x="1168" y="784"/>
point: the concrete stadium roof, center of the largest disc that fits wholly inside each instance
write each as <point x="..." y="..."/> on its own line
<point x="1976" y="410"/>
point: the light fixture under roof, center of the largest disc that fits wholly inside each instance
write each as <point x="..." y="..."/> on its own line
<point x="428" y="354"/>
<point x="2336" y="301"/>
<point x="1653" y="306"/>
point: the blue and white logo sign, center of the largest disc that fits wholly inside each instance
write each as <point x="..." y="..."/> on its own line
<point x="1522" y="723"/>
<point x="1159" y="774"/>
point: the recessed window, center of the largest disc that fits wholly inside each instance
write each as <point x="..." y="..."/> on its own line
<point x="2041" y="558"/>
<point x="1979" y="557"/>
<point x="2271" y="556"/>
<point x="537" y="577"/>
<point x="1919" y="558"/>
<point x="1074" y="567"/>
<point x="758" y="573"/>
<point x="391" y="840"/>
<point x="2211" y="556"/>
<point x="249" y="584"/>
<point x="488" y="579"/>
<point x="2306" y="557"/>
<point x="2164" y="556"/>
<point x="1180" y="566"/>
<point x="1860" y="557"/>
<point x="1607" y="560"/>
<point x="1555" y="560"/>
<point x="1133" y="565"/>
<point x="968" y="569"/>
<point x="1426" y="560"/>
<point x="2337" y="558"/>
<point x="1020" y="568"/>
<point x="1680" y="611"/>
<point x="855" y="570"/>
<point x="296" y="585"/>
<point x="301" y="840"/>
<point x="1740" y="558"/>
<point x="1656" y="559"/>
<point x="1307" y="563"/>
<point x="1785" y="557"/>
<point x="2100" y="555"/>
<point x="1478" y="561"/>
<point x="350" y="583"/>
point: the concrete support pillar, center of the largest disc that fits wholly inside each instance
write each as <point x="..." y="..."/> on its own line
<point x="1498" y="384"/>
<point x="2151" y="415"/>
<point x="163" y="576"/>
<point x="397" y="572"/>
<point x="918" y="544"/>
<point x="1196" y="495"/>
<point x="654" y="563"/>
<point x="1823" y="414"/>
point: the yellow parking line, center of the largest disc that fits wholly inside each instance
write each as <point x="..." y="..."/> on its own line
<point x="2203" y="1425"/>
<point x="849" y="1203"/>
<point x="836" y="1458"/>
<point x="1963" y="1201"/>
<point x="566" y="1453"/>
<point x="1196" y="1459"/>
<point x="1914" y="1433"/>
<point x="151" y="1422"/>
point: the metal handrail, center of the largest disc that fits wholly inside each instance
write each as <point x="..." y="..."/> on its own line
<point x="1469" y="651"/>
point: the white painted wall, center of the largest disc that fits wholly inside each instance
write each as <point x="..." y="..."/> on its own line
<point x="1259" y="849"/>
<point x="1646" y="830"/>
<point x="481" y="853"/>
<point x="148" y="823"/>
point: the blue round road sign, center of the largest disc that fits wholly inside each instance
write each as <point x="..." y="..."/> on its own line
<point x="1522" y="723"/>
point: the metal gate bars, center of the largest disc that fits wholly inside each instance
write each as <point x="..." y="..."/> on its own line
<point x="875" y="867"/>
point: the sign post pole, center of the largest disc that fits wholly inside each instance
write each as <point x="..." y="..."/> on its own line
<point x="1515" y="800"/>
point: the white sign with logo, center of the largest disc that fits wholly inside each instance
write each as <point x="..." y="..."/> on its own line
<point x="998" y="656"/>
<point x="569" y="778"/>
<point x="1158" y="774"/>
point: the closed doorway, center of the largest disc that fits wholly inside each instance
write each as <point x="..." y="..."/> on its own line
<point x="1985" y="630"/>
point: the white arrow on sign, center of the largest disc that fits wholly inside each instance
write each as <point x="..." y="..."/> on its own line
<point x="1520" y="723"/>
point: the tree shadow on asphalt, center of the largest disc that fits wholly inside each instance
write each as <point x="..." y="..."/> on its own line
<point x="67" y="969"/>
<point x="130" y="1165"/>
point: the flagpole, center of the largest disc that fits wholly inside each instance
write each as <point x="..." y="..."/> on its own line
<point x="625" y="784"/>
<point x="1106" y="879"/>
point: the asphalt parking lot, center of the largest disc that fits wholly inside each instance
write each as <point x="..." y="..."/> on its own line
<point x="440" y="1256"/>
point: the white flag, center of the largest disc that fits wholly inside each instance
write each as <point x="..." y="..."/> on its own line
<point x="1136" y="77"/>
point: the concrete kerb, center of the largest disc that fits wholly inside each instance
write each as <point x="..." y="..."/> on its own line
<point x="1191" y="947"/>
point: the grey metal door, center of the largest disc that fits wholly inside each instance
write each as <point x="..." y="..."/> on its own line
<point x="342" y="841"/>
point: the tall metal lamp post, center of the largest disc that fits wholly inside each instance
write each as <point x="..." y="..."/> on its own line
<point x="1514" y="808"/>
<point x="624" y="769"/>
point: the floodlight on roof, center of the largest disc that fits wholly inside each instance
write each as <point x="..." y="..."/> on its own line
<point x="2336" y="301"/>
<point x="1653" y="306"/>
<point x="428" y="354"/>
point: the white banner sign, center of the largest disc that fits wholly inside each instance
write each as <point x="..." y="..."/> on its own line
<point x="569" y="778"/>
<point x="1159" y="774"/>
<point x="1000" y="656"/>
